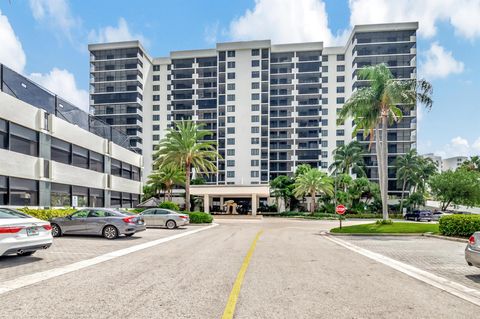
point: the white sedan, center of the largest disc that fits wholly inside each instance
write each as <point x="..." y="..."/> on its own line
<point x="22" y="234"/>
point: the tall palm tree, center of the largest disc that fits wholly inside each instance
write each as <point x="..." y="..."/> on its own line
<point x="348" y="159"/>
<point x="168" y="176"/>
<point x="382" y="103"/>
<point x="313" y="182"/>
<point x="406" y="165"/>
<point x="184" y="146"/>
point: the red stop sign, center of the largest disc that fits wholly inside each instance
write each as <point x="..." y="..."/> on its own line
<point x="340" y="209"/>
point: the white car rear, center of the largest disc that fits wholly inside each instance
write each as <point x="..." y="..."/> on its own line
<point x="22" y="234"/>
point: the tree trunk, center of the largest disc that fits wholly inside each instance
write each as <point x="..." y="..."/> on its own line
<point x="384" y="189"/>
<point x="403" y="191"/>
<point x="313" y="202"/>
<point x="378" y="151"/>
<point x="187" y="187"/>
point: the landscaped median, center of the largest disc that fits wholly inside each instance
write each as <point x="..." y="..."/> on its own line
<point x="392" y="228"/>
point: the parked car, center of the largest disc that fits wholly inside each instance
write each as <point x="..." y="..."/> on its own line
<point x="22" y="234"/>
<point x="472" y="251"/>
<point x="165" y="217"/>
<point x="436" y="215"/>
<point x="108" y="223"/>
<point x="419" y="215"/>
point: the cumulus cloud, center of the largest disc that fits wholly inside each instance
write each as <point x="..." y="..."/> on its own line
<point x="62" y="83"/>
<point x="57" y="15"/>
<point x="11" y="52"/>
<point x="439" y="63"/>
<point x="121" y="32"/>
<point x="463" y="15"/>
<point x="460" y="146"/>
<point x="284" y="22"/>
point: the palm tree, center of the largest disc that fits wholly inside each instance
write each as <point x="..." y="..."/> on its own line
<point x="379" y="104"/>
<point x="313" y="182"/>
<point x="406" y="165"/>
<point x="184" y="146"/>
<point x="473" y="163"/>
<point x="168" y="176"/>
<point x="348" y="159"/>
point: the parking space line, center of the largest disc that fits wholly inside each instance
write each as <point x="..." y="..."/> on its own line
<point x="232" y="299"/>
<point x="31" y="279"/>
<point x="452" y="287"/>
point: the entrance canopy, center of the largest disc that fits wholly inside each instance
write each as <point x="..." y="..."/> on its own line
<point x="230" y="191"/>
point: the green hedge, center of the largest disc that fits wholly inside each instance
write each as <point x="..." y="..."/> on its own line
<point x="459" y="225"/>
<point x="169" y="205"/>
<point x="199" y="217"/>
<point x="46" y="214"/>
<point x="334" y="216"/>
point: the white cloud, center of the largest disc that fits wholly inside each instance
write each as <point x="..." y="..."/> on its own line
<point x="62" y="83"/>
<point x="460" y="146"/>
<point x="11" y="52"/>
<point x="439" y="63"/>
<point x="57" y="15"/>
<point x="119" y="33"/>
<point x="283" y="22"/>
<point x="211" y="32"/>
<point x="463" y="15"/>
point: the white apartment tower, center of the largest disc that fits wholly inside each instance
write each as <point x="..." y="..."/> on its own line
<point x="270" y="107"/>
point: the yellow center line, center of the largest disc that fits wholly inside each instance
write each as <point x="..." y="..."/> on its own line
<point x="232" y="299"/>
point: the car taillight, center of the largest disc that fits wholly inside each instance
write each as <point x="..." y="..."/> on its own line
<point x="47" y="227"/>
<point x="183" y="217"/>
<point x="471" y="240"/>
<point x="129" y="220"/>
<point x="10" y="229"/>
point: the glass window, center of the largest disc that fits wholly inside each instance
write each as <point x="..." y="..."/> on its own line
<point x="255" y="96"/>
<point x="23" y="192"/>
<point x="23" y="140"/>
<point x="340" y="89"/>
<point x="156" y="107"/>
<point x="156" y="117"/>
<point x="340" y="100"/>
<point x="60" y="195"/>
<point x="255" y="107"/>
<point x="231" y="152"/>
<point x="255" y="151"/>
<point x="156" y="127"/>
<point x="230" y="130"/>
<point x="340" y="132"/>
<point x="255" y="85"/>
<point x="96" y="162"/>
<point x="230" y="108"/>
<point x="126" y="170"/>
<point x="230" y="141"/>
<point x="97" y="197"/>
<point x="254" y="174"/>
<point x="230" y="163"/>
<point x="340" y="68"/>
<point x="60" y="151"/>
<point x="231" y="97"/>
<point x="135" y="173"/>
<point x="255" y="52"/>
<point x="156" y="77"/>
<point x="255" y="118"/>
<point x="340" y="57"/>
<point x="340" y="79"/>
<point x="3" y="134"/>
<point x="254" y="162"/>
<point x="231" y="119"/>
<point x="79" y="156"/>
<point x="126" y="200"/>
<point x="255" y="63"/>
<point x="3" y="190"/>
<point x="255" y="129"/>
<point x="231" y="54"/>
<point x="230" y="173"/>
<point x="231" y="75"/>
<point x="255" y="74"/>
<point x="115" y="199"/>
<point x="116" y="167"/>
<point x="231" y="64"/>
<point x="82" y="195"/>
<point x="231" y="86"/>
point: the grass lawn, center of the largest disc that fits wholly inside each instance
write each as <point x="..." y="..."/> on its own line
<point x="396" y="227"/>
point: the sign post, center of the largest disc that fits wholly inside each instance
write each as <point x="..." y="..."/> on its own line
<point x="340" y="210"/>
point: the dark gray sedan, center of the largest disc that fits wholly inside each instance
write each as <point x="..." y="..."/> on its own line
<point x="108" y="223"/>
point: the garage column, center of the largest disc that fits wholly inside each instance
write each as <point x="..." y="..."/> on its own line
<point x="254" y="204"/>
<point x="206" y="203"/>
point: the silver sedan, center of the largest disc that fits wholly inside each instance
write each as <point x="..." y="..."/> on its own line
<point x="164" y="217"/>
<point x="108" y="223"/>
<point x="472" y="251"/>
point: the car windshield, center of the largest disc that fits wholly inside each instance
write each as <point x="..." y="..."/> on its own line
<point x="10" y="213"/>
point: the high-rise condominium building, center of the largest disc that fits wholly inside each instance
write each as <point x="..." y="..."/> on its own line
<point x="270" y="107"/>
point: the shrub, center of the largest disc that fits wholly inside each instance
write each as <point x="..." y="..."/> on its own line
<point x="384" y="222"/>
<point x="46" y="214"/>
<point x="169" y="205"/>
<point x="459" y="225"/>
<point x="199" y="217"/>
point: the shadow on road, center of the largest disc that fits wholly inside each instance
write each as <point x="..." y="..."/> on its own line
<point x="474" y="278"/>
<point x="13" y="261"/>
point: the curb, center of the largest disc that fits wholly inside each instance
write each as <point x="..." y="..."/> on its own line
<point x="460" y="240"/>
<point x="377" y="235"/>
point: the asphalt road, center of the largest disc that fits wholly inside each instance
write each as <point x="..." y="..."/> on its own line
<point x="294" y="272"/>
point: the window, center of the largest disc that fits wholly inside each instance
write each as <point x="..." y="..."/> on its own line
<point x="23" y="140"/>
<point x="324" y="154"/>
<point x="156" y="137"/>
<point x="324" y="122"/>
<point x="255" y="96"/>
<point x="156" y="68"/>
<point x="135" y="173"/>
<point x="324" y="143"/>
<point x="79" y="156"/>
<point x="255" y="118"/>
<point x="231" y="152"/>
<point x="340" y="89"/>
<point x="156" y="97"/>
<point x="156" y="117"/>
<point x="255" y="140"/>
<point x="255" y="74"/>
<point x="3" y="135"/>
<point x="254" y="163"/>
<point x="230" y="141"/>
<point x="255" y="151"/>
<point x="116" y="199"/>
<point x="231" y="75"/>
<point x="255" y="63"/>
<point x="255" y="85"/>
<point x="255" y="52"/>
<point x="340" y="57"/>
<point x="254" y="174"/>
<point x="156" y="127"/>
<point x="3" y="190"/>
<point x="340" y="68"/>
<point x="126" y="170"/>
<point x="23" y="192"/>
<point x="230" y="130"/>
<point x="231" y="97"/>
<point x="156" y="87"/>
<point x="340" y="79"/>
<point x="340" y="132"/>
<point x="230" y="108"/>
<point x="325" y="68"/>
<point x="255" y="129"/>
<point x="116" y="168"/>
<point x="324" y="90"/>
<point x="255" y="107"/>
<point x="231" y="64"/>
<point x="96" y="162"/>
<point x="230" y="173"/>
<point x="156" y="77"/>
<point x="340" y="143"/>
<point x="325" y="100"/>
<point x="60" y="195"/>
<point x="231" y="54"/>
<point x="230" y="163"/>
<point x="230" y="119"/>
<point x="324" y="133"/>
<point x="231" y="86"/>
<point x="324" y="165"/>
<point x="324" y="111"/>
<point x="156" y="107"/>
<point x="96" y="197"/>
<point x="60" y="151"/>
<point x="340" y="100"/>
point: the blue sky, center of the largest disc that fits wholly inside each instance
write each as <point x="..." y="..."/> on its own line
<point x="47" y="40"/>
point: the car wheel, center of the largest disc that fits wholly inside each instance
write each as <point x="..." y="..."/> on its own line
<point x="110" y="232"/>
<point x="171" y="224"/>
<point x="27" y="253"/>
<point x="56" y="230"/>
